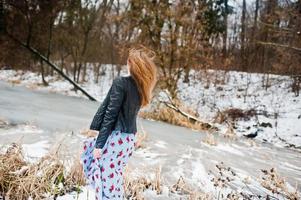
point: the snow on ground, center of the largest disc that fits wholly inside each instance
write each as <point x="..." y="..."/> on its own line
<point x="86" y="194"/>
<point x="244" y="91"/>
<point x="208" y="92"/>
<point x="196" y="164"/>
<point x="36" y="150"/>
<point x="32" y="151"/>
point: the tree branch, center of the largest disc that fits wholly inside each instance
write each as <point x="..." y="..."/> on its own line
<point x="191" y="118"/>
<point x="56" y="68"/>
<point x="279" y="45"/>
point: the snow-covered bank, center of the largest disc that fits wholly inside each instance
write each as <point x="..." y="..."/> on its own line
<point x="195" y="171"/>
<point x="57" y="84"/>
<point x="278" y="108"/>
<point x="210" y="93"/>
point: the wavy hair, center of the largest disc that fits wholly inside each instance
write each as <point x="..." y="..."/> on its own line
<point x="144" y="71"/>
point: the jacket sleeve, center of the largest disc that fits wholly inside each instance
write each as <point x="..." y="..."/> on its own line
<point x="115" y="100"/>
<point x="98" y="117"/>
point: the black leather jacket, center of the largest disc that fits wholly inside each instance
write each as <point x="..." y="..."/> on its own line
<point x="118" y="111"/>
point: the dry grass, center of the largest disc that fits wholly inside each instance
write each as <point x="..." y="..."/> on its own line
<point x="210" y="139"/>
<point x="234" y="114"/>
<point x="230" y="133"/>
<point x="251" y="143"/>
<point x="76" y="176"/>
<point x="226" y="176"/>
<point x="272" y="181"/>
<point x="33" y="86"/>
<point x="134" y="187"/>
<point x="48" y="177"/>
<point x="21" y="180"/>
<point x="174" y="111"/>
<point x="141" y="138"/>
<point x="182" y="188"/>
<point x="14" y="82"/>
<point x="168" y="115"/>
<point x="3" y="123"/>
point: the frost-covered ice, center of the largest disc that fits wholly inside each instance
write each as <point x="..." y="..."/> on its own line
<point x="228" y="149"/>
<point x="36" y="150"/>
<point x="23" y="129"/>
<point x="207" y="92"/>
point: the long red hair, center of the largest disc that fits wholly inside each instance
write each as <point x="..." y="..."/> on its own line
<point x="144" y="71"/>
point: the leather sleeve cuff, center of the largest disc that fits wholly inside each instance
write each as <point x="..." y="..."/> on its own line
<point x="95" y="128"/>
<point x="101" y="140"/>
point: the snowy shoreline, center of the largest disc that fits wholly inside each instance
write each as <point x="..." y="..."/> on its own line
<point x="150" y="164"/>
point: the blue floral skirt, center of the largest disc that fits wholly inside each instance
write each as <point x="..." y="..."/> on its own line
<point x="105" y="174"/>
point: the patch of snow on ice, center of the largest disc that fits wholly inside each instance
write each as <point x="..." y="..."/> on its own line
<point x="151" y="194"/>
<point x="23" y="129"/>
<point x="35" y="150"/>
<point x="86" y="194"/>
<point x="228" y="149"/>
<point x="161" y="144"/>
<point x="200" y="176"/>
<point x="147" y="155"/>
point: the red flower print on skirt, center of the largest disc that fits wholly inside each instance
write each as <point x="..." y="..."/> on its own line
<point x="105" y="174"/>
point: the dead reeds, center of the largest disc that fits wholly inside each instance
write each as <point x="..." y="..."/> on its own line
<point x="134" y="187"/>
<point x="174" y="111"/>
<point x="183" y="188"/>
<point x="168" y="115"/>
<point x="273" y="182"/>
<point x="20" y="179"/>
<point x="210" y="139"/>
<point x="3" y="123"/>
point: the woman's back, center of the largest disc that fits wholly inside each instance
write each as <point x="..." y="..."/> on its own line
<point x="118" y="111"/>
<point x="126" y="121"/>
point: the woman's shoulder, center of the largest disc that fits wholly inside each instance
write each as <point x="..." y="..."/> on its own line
<point x="123" y="78"/>
<point x="118" y="79"/>
<point x="121" y="81"/>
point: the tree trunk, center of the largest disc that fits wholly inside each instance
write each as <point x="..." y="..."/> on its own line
<point x="243" y="36"/>
<point x="225" y="34"/>
<point x="78" y="71"/>
<point x="84" y="72"/>
<point x="74" y="69"/>
<point x="2" y="22"/>
<point x="42" y="73"/>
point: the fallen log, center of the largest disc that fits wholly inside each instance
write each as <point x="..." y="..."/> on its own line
<point x="52" y="65"/>
<point x="191" y="118"/>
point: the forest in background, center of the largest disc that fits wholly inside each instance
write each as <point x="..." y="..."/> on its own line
<point x="253" y="36"/>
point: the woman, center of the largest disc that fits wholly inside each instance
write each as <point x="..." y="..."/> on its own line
<point x="105" y="157"/>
